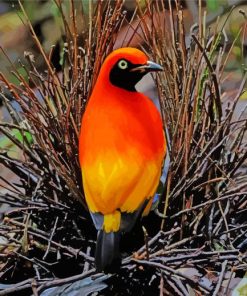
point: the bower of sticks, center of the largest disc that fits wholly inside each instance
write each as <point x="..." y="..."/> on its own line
<point x="195" y="241"/>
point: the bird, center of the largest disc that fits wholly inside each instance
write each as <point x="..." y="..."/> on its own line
<point x="122" y="147"/>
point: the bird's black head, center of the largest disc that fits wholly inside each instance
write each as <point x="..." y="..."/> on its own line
<point x="125" y="74"/>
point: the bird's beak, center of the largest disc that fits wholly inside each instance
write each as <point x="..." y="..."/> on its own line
<point x="148" y="67"/>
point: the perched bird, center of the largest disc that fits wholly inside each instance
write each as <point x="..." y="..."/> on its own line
<point x="122" y="147"/>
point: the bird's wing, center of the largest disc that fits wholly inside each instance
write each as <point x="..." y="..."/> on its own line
<point x="163" y="177"/>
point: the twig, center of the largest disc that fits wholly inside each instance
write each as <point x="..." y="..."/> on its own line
<point x="221" y="277"/>
<point x="146" y="242"/>
<point x="17" y="287"/>
<point x="209" y="202"/>
<point x="60" y="282"/>
<point x="172" y="271"/>
<point x="50" y="239"/>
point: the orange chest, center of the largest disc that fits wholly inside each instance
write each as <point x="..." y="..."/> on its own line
<point x="120" y="124"/>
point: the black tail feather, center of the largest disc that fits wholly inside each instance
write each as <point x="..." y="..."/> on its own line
<point x="107" y="255"/>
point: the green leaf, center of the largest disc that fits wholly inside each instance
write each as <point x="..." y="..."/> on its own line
<point x="241" y="289"/>
<point x="17" y="134"/>
<point x="5" y="142"/>
<point x="212" y="5"/>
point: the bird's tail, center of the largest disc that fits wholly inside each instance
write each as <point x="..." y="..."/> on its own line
<point x="107" y="250"/>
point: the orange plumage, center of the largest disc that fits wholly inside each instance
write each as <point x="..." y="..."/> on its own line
<point x="121" y="149"/>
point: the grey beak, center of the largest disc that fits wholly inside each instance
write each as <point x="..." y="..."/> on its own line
<point x="148" y="67"/>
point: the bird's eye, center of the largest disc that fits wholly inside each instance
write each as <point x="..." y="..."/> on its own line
<point x="123" y="64"/>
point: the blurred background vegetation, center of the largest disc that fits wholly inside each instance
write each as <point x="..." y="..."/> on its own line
<point x="47" y="23"/>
